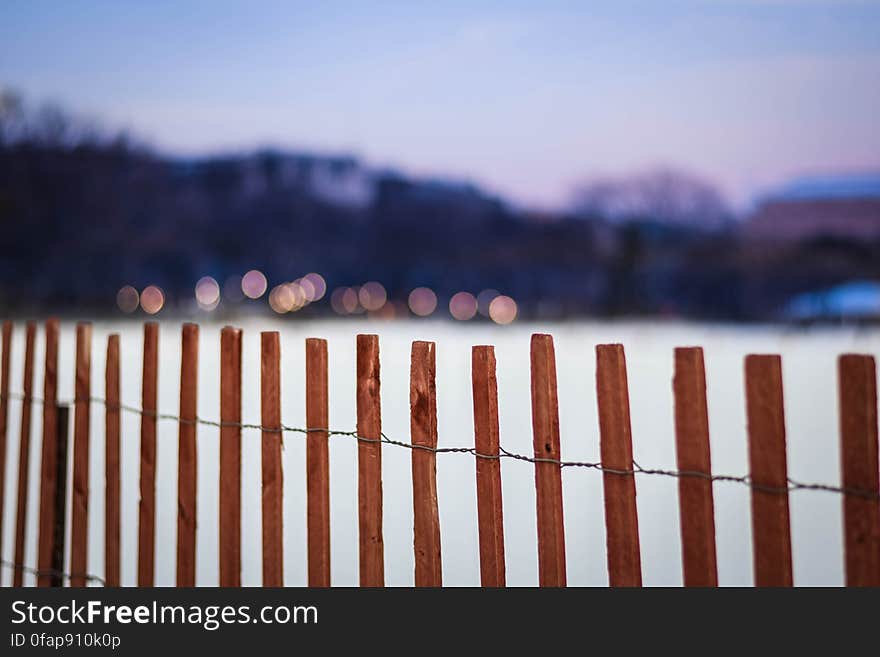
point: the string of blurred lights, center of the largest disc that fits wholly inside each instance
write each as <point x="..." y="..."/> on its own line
<point x="371" y="298"/>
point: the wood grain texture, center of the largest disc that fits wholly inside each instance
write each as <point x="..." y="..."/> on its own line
<point x="186" y="456"/>
<point x="273" y="479"/>
<point x="317" y="463"/>
<point x="548" y="476"/>
<point x="857" y="389"/>
<point x="230" y="457"/>
<point x="696" y="504"/>
<point x="24" y="451"/>
<point x="369" y="425"/>
<point x="48" y="468"/>
<point x="615" y="434"/>
<point x="771" y="534"/>
<point x="423" y="428"/>
<point x="490" y="517"/>
<point x="147" y="504"/>
<point x="112" y="482"/>
<point x="79" y="505"/>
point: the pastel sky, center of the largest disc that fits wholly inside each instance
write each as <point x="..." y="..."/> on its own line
<point x="525" y="98"/>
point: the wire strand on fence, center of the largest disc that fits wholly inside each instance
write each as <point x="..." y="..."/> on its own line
<point x="50" y="572"/>
<point x="793" y="485"/>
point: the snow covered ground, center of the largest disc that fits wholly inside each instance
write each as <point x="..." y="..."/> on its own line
<point x="809" y="367"/>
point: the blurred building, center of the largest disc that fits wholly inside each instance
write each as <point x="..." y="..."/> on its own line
<point x="845" y="208"/>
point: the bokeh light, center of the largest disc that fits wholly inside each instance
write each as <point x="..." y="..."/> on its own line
<point x="281" y="299"/>
<point x="463" y="306"/>
<point x="127" y="299"/>
<point x="502" y="310"/>
<point x="152" y="299"/>
<point x="344" y="300"/>
<point x="484" y="298"/>
<point x="319" y="285"/>
<point x="422" y="301"/>
<point x="308" y="289"/>
<point x="254" y="284"/>
<point x="350" y="300"/>
<point x="207" y="293"/>
<point x="372" y="295"/>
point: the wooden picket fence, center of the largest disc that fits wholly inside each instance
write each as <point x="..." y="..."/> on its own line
<point x="768" y="479"/>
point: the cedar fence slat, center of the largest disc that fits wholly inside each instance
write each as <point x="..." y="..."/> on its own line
<point x="615" y="440"/>
<point x="79" y="503"/>
<point x="24" y="448"/>
<point x="111" y="464"/>
<point x="486" y="442"/>
<point x="59" y="503"/>
<point x="696" y="505"/>
<point x="65" y="461"/>
<point x="186" y="456"/>
<point x="147" y="505"/>
<point x="860" y="468"/>
<point x="548" y="476"/>
<point x="4" y="418"/>
<point x="771" y="534"/>
<point x="423" y="427"/>
<point x="369" y="425"/>
<point x="48" y="469"/>
<point x="273" y="478"/>
<point x="230" y="457"/>
<point x="317" y="463"/>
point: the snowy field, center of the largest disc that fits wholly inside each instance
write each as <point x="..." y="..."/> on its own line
<point x="809" y="368"/>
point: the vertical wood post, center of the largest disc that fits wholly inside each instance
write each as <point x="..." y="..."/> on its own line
<point x="186" y="457"/>
<point x="48" y="469"/>
<point x="369" y="426"/>
<point x="273" y="478"/>
<point x="486" y="442"/>
<point x="423" y="426"/>
<point x="230" y="457"/>
<point x="771" y="532"/>
<point x="79" y="503"/>
<point x="24" y="450"/>
<point x="147" y="506"/>
<point x="860" y="468"/>
<point x="59" y="502"/>
<point x="111" y="464"/>
<point x="548" y="473"/>
<point x="615" y="437"/>
<point x="317" y="463"/>
<point x="4" y="416"/>
<point x="696" y="505"/>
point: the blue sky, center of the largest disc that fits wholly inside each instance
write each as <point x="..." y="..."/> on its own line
<point x="525" y="98"/>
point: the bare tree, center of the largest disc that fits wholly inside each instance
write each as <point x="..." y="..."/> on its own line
<point x="664" y="195"/>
